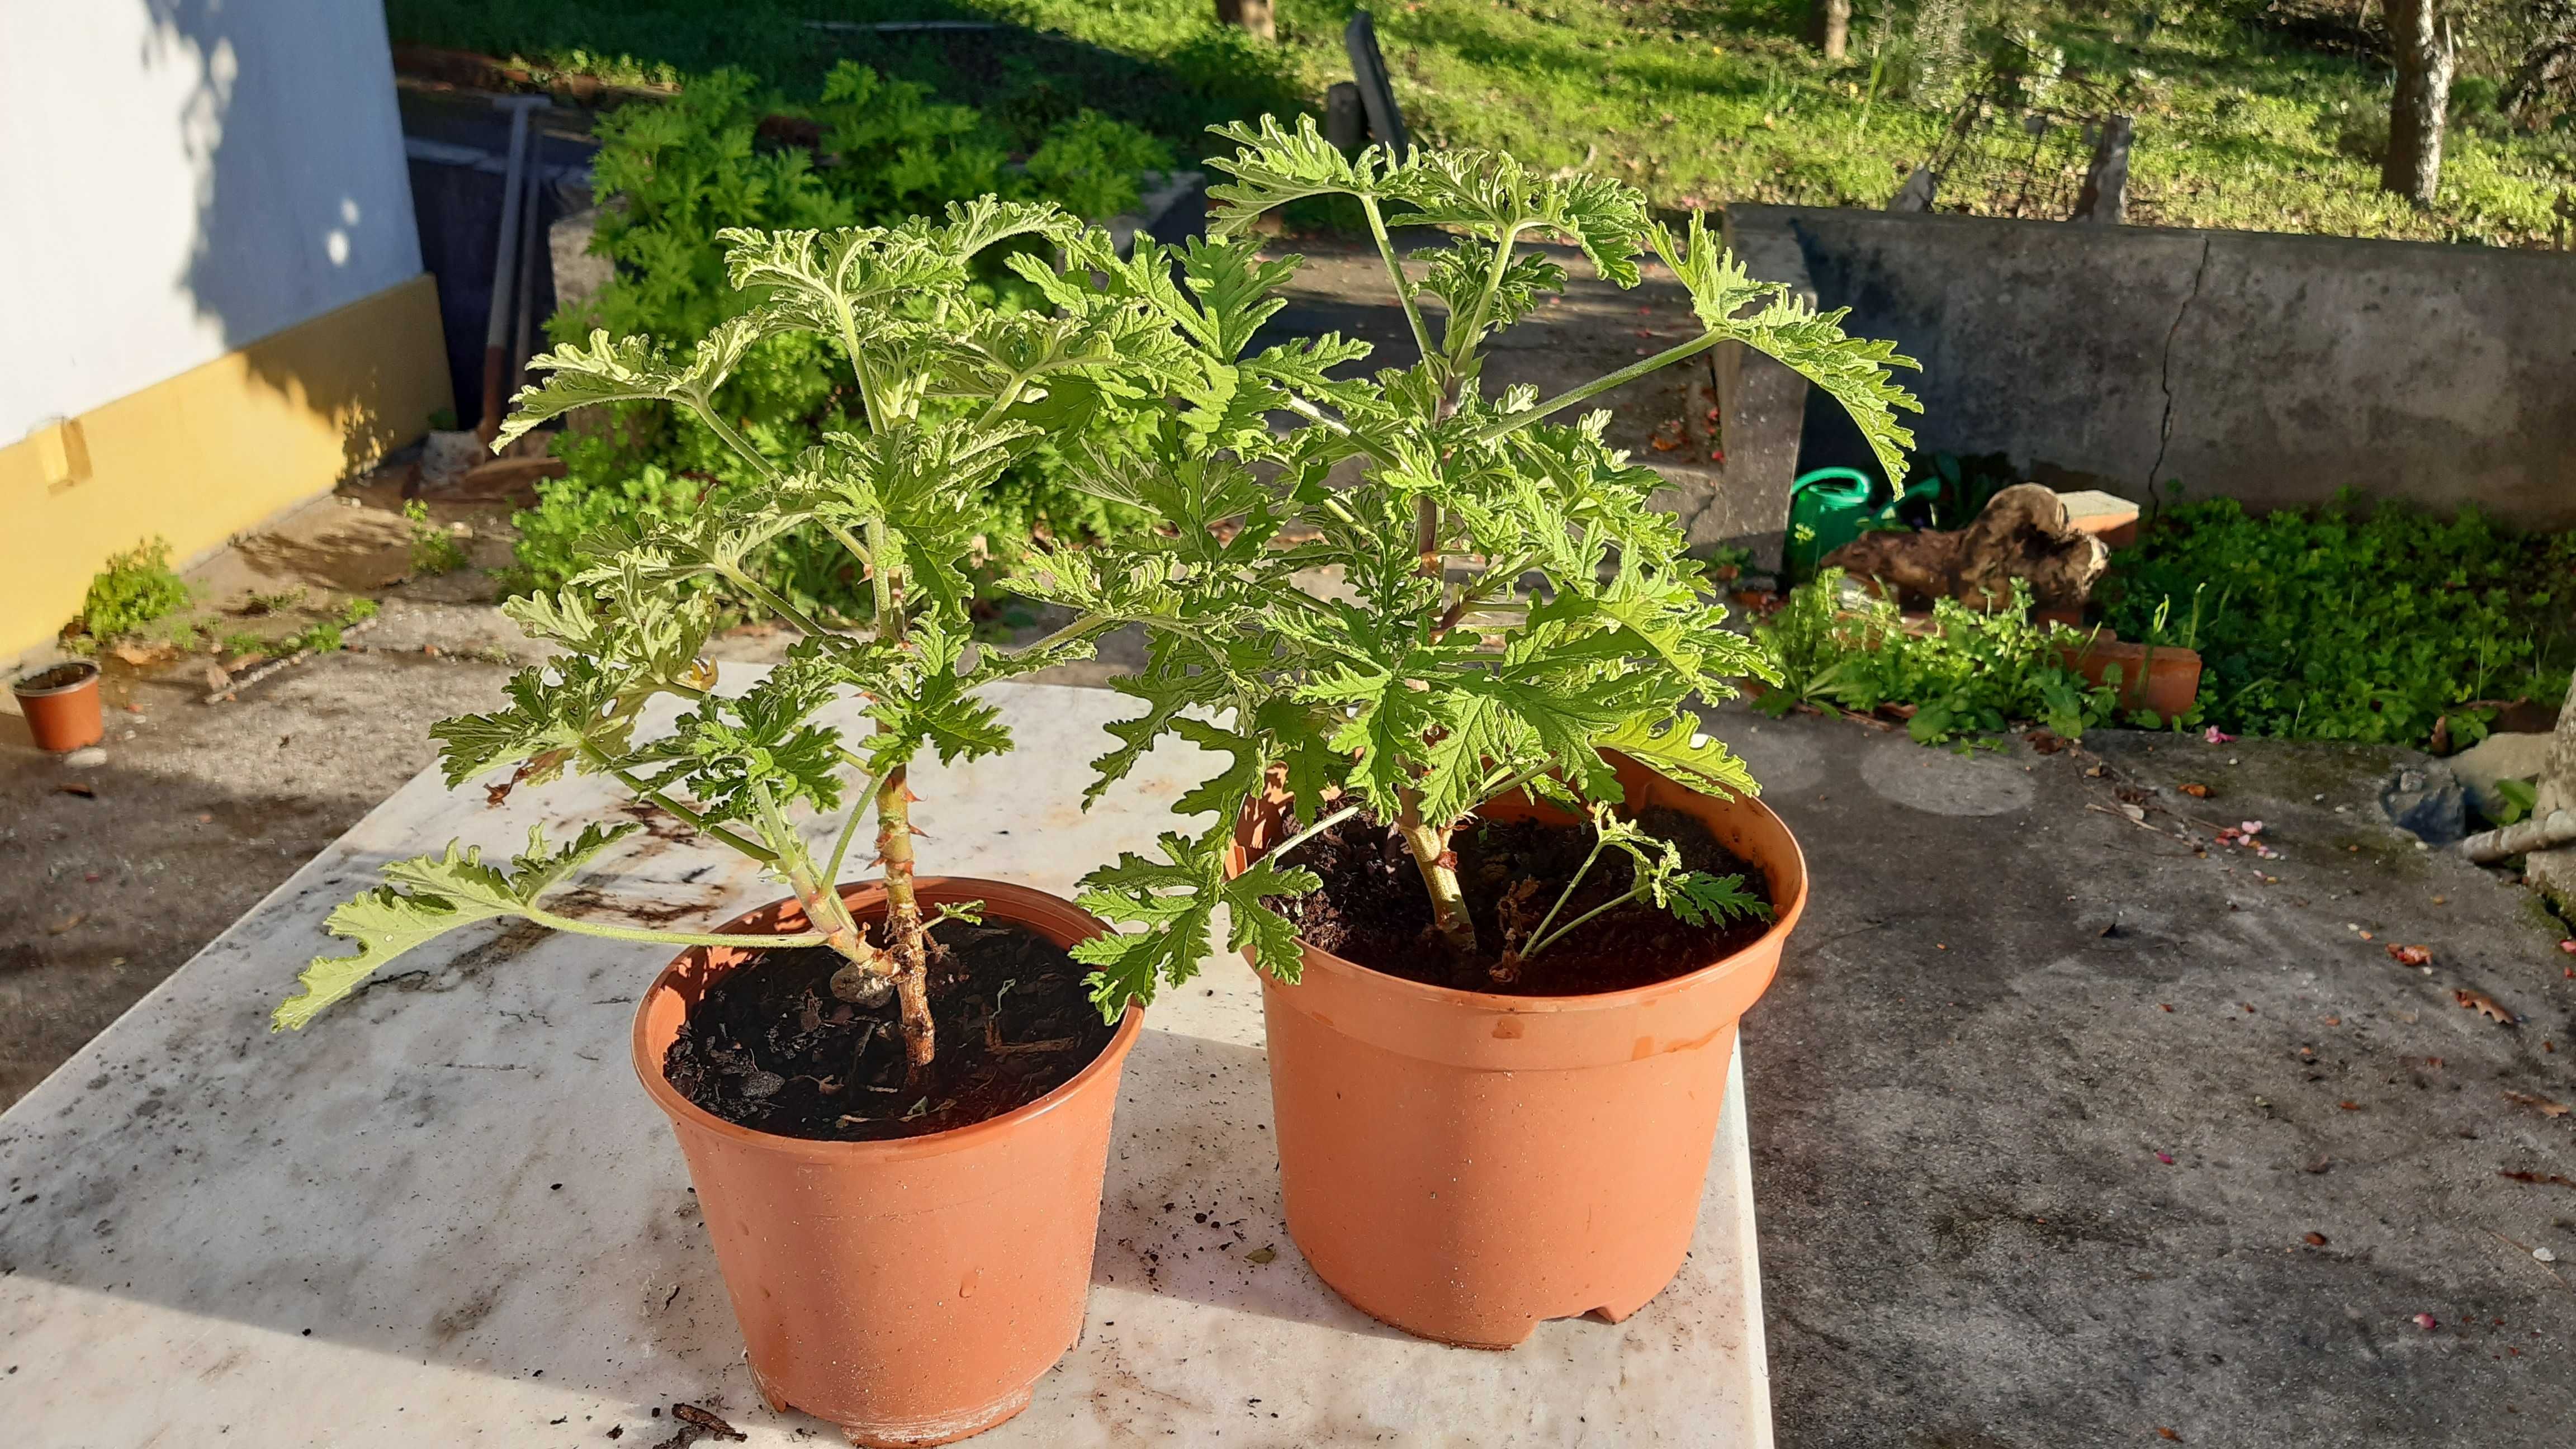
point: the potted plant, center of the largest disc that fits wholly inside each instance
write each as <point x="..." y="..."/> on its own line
<point x="1506" y="900"/>
<point x="61" y="706"/>
<point x="894" y="1098"/>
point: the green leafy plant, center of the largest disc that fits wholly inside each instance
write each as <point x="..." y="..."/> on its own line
<point x="2350" y="623"/>
<point x="677" y="175"/>
<point x="434" y="550"/>
<point x="2515" y="800"/>
<point x="136" y="588"/>
<point x="1405" y="692"/>
<point x="950" y="389"/>
<point x="1966" y="673"/>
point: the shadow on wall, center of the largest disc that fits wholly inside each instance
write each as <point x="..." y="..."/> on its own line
<point x="302" y="202"/>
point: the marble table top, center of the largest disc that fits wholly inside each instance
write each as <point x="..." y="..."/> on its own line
<point x="445" y="1214"/>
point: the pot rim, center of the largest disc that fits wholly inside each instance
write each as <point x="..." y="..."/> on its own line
<point x="863" y="895"/>
<point x="89" y="676"/>
<point x="1782" y="921"/>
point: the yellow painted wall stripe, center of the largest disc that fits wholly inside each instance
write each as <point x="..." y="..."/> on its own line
<point x="214" y="450"/>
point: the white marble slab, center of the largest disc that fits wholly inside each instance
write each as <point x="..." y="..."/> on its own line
<point x="447" y="1215"/>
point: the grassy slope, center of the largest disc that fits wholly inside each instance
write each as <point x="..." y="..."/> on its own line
<point x="1700" y="101"/>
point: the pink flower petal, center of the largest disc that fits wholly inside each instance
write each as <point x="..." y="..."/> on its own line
<point x="2216" y="736"/>
<point x="2427" y="1322"/>
<point x="2165" y="1157"/>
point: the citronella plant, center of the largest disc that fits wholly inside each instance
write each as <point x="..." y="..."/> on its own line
<point x="1574" y="623"/>
<point x="951" y="391"/>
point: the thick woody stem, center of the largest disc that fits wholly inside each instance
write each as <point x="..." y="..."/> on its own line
<point x="906" y="938"/>
<point x="1439" y="868"/>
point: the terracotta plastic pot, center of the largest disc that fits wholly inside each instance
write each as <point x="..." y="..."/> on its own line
<point x="2164" y="678"/>
<point x="1462" y="1164"/>
<point x="912" y="1291"/>
<point x="62" y="714"/>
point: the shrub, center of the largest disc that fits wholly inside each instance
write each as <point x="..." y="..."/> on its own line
<point x="2348" y="625"/>
<point x="136" y="588"/>
<point x="1970" y="673"/>
<point x="672" y="176"/>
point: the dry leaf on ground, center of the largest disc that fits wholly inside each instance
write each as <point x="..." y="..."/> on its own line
<point x="2541" y="1179"/>
<point x="2484" y="1005"/>
<point x="2541" y="1105"/>
<point x="2411" y="955"/>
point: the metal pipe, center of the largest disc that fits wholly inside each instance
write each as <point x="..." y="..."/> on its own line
<point x="2548" y="832"/>
<point x="496" y="327"/>
<point x="528" y="240"/>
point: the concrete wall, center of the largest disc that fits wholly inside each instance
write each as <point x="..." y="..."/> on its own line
<point x="2271" y="369"/>
<point x="208" y="269"/>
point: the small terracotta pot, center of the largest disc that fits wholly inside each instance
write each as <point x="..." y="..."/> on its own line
<point x="2164" y="678"/>
<point x="912" y="1291"/>
<point x="1463" y="1164"/>
<point x="63" y="716"/>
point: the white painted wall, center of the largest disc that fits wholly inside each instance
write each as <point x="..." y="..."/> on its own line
<point x="181" y="177"/>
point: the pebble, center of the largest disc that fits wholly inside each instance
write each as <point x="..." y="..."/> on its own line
<point x="86" y="759"/>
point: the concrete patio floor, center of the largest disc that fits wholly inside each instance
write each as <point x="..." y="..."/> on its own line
<point x="1962" y="1089"/>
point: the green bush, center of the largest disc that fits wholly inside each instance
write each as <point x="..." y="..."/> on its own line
<point x="136" y="588"/>
<point x="2350" y="625"/>
<point x="1971" y="673"/>
<point x="670" y="177"/>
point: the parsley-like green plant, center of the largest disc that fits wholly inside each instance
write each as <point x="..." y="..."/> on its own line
<point x="952" y="389"/>
<point x="1406" y="691"/>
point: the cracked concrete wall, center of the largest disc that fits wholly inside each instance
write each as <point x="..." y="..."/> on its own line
<point x="2272" y="369"/>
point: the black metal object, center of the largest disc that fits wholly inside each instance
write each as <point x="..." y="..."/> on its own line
<point x="1377" y="93"/>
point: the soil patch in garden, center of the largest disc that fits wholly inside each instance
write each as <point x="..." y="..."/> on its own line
<point x="1373" y="909"/>
<point x="769" y="1047"/>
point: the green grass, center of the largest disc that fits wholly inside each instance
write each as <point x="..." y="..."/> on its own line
<point x="1701" y="102"/>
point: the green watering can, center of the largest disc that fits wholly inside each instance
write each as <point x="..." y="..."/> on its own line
<point x="1832" y="506"/>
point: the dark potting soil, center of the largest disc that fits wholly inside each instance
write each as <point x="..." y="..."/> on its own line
<point x="769" y="1047"/>
<point x="58" y="677"/>
<point x="1373" y="908"/>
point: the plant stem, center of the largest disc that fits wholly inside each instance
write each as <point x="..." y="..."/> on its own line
<point x="693" y="819"/>
<point x="1395" y="269"/>
<point x="781" y="607"/>
<point x="821" y="899"/>
<point x="906" y="938"/>
<point x="1536" y="946"/>
<point x="707" y="414"/>
<point x="849" y="828"/>
<point x="553" y="922"/>
<point x="1516" y="421"/>
<point x="1539" y="936"/>
<point x="1439" y="868"/>
<point x="1310" y="832"/>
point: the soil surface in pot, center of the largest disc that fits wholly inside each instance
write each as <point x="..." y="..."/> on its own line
<point x="769" y="1047"/>
<point x="1373" y="909"/>
<point x="57" y="677"/>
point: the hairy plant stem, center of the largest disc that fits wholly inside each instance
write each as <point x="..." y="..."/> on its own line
<point x="1539" y="937"/>
<point x="1514" y="422"/>
<point x="906" y="939"/>
<point x="1431" y="856"/>
<point x="820" y="898"/>
<point x="553" y="922"/>
<point x="1395" y="270"/>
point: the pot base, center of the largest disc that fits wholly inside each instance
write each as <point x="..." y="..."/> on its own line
<point x="1499" y="1334"/>
<point x="918" y="1434"/>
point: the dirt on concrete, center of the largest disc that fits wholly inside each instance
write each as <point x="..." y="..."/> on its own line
<point x="2068" y="1131"/>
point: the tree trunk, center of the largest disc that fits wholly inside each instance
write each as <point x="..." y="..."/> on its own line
<point x="2425" y="58"/>
<point x="2553" y="872"/>
<point x="1251" y="15"/>
<point x="1829" y="26"/>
